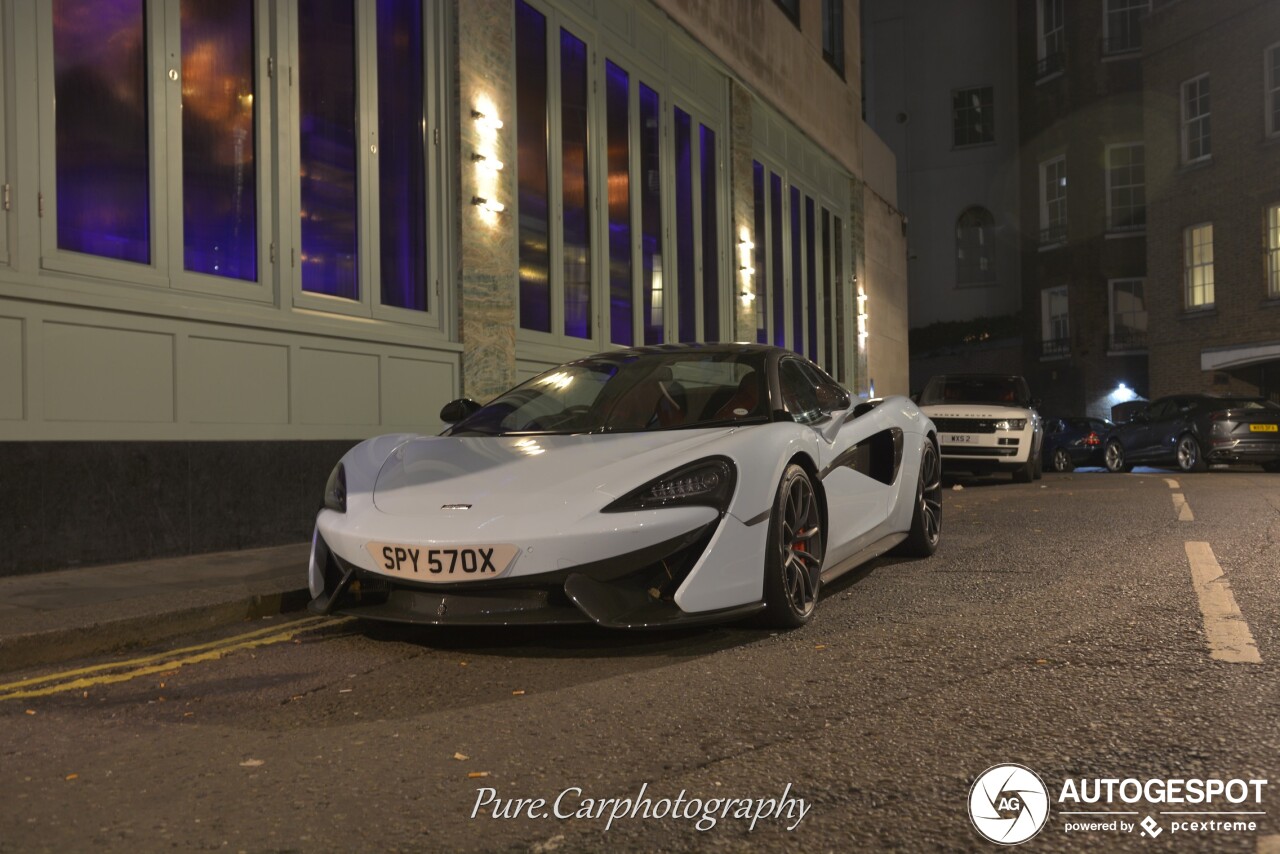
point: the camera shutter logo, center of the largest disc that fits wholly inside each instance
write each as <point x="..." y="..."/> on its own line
<point x="1008" y="804"/>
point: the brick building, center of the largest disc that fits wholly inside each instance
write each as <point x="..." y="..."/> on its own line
<point x="237" y="237"/>
<point x="1212" y="78"/>
<point x="1084" y="212"/>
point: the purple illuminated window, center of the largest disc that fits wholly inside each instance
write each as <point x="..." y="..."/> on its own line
<point x="101" y="146"/>
<point x="811" y="270"/>
<point x="577" y="225"/>
<point x="618" y="130"/>
<point x="531" y="141"/>
<point x="685" y="269"/>
<point x="775" y="252"/>
<point x="650" y="216"/>
<point x="797" y="276"/>
<point x="710" y="238"/>
<point x="327" y="147"/>
<point x="402" y="179"/>
<point x="219" y="172"/>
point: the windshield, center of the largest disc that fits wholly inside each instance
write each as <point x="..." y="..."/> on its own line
<point x="630" y="393"/>
<point x="1005" y="391"/>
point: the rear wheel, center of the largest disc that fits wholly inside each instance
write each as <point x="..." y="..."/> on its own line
<point x="1274" y="465"/>
<point x="793" y="559"/>
<point x="1114" y="457"/>
<point x="1188" y="454"/>
<point x="1062" y="460"/>
<point x="926" y="520"/>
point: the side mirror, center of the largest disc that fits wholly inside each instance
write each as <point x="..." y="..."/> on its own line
<point x="457" y="410"/>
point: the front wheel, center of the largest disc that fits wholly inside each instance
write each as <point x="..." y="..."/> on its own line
<point x="1114" y="457"/>
<point x="793" y="559"/>
<point x="926" y="520"/>
<point x="1062" y="460"/>
<point x="1026" y="472"/>
<point x="1188" y="454"/>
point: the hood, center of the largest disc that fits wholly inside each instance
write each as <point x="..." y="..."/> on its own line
<point x="504" y="475"/>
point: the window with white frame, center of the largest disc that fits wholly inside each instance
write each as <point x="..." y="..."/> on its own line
<point x="1195" y="120"/>
<point x="975" y="247"/>
<point x="1128" y="314"/>
<point x="1273" y="251"/>
<point x="972" y="116"/>
<point x="1198" y="265"/>
<point x="1122" y="26"/>
<point x="1126" y="187"/>
<point x="1053" y="201"/>
<point x="1051" y="38"/>
<point x="1055" y="322"/>
<point x="155" y="183"/>
<point x="1271" y="88"/>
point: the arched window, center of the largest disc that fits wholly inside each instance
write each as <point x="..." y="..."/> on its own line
<point x="975" y="249"/>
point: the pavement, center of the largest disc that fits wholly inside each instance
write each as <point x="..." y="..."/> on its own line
<point x="50" y="617"/>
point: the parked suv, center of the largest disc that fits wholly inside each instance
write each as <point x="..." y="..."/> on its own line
<point x="986" y="423"/>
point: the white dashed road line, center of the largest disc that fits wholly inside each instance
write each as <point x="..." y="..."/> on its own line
<point x="1184" y="509"/>
<point x="1224" y="626"/>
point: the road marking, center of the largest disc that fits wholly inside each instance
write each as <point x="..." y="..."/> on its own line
<point x="83" y="677"/>
<point x="1184" y="509"/>
<point x="1225" y="629"/>
<point x="1173" y="484"/>
<point x="1269" y="844"/>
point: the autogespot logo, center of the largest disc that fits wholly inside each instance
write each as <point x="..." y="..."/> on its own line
<point x="1008" y="804"/>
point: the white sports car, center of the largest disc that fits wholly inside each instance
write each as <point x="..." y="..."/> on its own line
<point x="635" y="489"/>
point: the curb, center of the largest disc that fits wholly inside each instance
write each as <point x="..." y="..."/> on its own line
<point x="63" y="644"/>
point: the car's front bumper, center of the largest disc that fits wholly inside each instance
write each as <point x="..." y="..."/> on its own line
<point x="632" y="590"/>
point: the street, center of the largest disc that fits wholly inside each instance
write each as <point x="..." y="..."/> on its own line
<point x="1057" y="627"/>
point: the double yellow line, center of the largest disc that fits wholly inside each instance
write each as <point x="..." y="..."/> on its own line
<point x="122" y="671"/>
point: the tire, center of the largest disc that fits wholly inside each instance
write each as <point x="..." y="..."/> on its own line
<point x="793" y="558"/>
<point x="1026" y="472"/>
<point x="1062" y="460"/>
<point x="1188" y="454"/>
<point x="1114" y="457"/>
<point x="1273" y="466"/>
<point x="926" y="519"/>
<point x="1039" y="473"/>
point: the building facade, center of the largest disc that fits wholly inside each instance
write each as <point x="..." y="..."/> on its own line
<point x="239" y="236"/>
<point x="942" y="91"/>
<point x="1084" y="203"/>
<point x="1212" y="75"/>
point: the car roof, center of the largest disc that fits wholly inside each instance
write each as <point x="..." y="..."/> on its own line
<point x="692" y="347"/>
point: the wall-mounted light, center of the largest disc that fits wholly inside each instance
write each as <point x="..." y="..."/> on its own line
<point x="862" y="315"/>
<point x="488" y="204"/>
<point x="745" y="268"/>
<point x="487" y="162"/>
<point x="486" y="121"/>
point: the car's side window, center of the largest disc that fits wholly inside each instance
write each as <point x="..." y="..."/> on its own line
<point x="1161" y="410"/>
<point x="830" y="394"/>
<point x="798" y="394"/>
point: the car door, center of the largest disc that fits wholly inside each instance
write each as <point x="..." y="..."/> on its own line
<point x="856" y="501"/>
<point x="1150" y="435"/>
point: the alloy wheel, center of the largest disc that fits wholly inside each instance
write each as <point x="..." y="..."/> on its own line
<point x="931" y="493"/>
<point x="801" y="543"/>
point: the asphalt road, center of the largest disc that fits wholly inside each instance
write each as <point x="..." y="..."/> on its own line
<point x="1057" y="627"/>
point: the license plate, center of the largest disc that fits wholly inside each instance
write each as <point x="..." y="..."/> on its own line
<point x="1263" y="428"/>
<point x="957" y="440"/>
<point x="423" y="563"/>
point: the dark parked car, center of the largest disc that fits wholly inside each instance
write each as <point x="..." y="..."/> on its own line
<point x="1191" y="431"/>
<point x="1071" y="442"/>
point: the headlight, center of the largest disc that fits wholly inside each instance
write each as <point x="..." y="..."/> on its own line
<point x="335" y="491"/>
<point x="1011" y="424"/>
<point x="707" y="482"/>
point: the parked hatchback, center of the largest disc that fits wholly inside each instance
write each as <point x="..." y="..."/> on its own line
<point x="1191" y="431"/>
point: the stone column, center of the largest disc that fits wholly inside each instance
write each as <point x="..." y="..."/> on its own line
<point x="487" y="274"/>
<point x="742" y="204"/>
